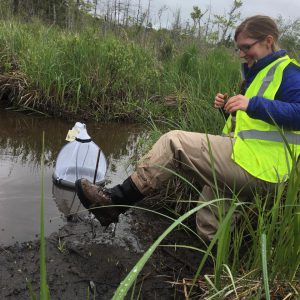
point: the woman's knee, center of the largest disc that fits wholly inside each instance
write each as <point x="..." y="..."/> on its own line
<point x="172" y="137"/>
<point x="172" y="134"/>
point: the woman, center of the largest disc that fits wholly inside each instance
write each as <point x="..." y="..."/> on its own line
<point x="250" y="154"/>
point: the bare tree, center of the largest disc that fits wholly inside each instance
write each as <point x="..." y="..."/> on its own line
<point x="95" y="8"/>
<point x="148" y="13"/>
<point x="226" y="23"/>
<point x="115" y="11"/>
<point x="176" y="26"/>
<point x="160" y="13"/>
<point x="208" y="22"/>
<point x="139" y="8"/>
<point x="108" y="15"/>
<point x="197" y="15"/>
<point x="126" y="13"/>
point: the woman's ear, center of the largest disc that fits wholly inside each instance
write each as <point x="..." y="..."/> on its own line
<point x="269" y="41"/>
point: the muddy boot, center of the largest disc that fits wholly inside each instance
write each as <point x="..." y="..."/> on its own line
<point x="96" y="198"/>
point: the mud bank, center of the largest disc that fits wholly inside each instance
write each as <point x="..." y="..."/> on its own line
<point x="84" y="256"/>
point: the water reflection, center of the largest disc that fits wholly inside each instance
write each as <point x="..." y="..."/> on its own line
<point x="20" y="171"/>
<point x="68" y="203"/>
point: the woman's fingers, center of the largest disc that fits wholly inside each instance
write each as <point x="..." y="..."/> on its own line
<point x="238" y="102"/>
<point x="220" y="100"/>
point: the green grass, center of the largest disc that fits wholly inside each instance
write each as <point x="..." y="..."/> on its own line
<point x="260" y="258"/>
<point x="77" y="70"/>
<point x="44" y="290"/>
<point x="106" y="77"/>
<point x="132" y="275"/>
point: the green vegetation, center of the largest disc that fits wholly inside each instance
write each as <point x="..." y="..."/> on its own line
<point x="259" y="259"/>
<point x="55" y="71"/>
<point x="72" y="58"/>
<point x="105" y="68"/>
<point x="44" y="290"/>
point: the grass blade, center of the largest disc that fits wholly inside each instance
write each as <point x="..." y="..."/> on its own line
<point x="264" y="265"/>
<point x="131" y="277"/>
<point x="30" y="290"/>
<point x="44" y="292"/>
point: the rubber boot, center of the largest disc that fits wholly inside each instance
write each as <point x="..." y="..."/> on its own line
<point x="96" y="198"/>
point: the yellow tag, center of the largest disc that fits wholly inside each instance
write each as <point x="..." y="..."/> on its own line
<point x="72" y="134"/>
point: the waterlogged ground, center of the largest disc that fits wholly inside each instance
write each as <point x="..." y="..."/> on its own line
<point x="83" y="258"/>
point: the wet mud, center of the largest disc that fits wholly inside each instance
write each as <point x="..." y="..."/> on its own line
<point x="83" y="258"/>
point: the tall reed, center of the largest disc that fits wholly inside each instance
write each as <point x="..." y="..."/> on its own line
<point x="73" y="70"/>
<point x="196" y="76"/>
<point x="105" y="76"/>
<point x="262" y="250"/>
<point x="44" y="291"/>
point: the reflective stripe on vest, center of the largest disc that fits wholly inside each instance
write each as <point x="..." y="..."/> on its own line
<point x="260" y="147"/>
<point x="265" y="84"/>
<point x="268" y="78"/>
<point x="274" y="136"/>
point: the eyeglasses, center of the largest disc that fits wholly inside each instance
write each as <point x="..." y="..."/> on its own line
<point x="245" y="48"/>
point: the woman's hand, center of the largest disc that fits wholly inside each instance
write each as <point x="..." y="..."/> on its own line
<point x="238" y="102"/>
<point x="220" y="100"/>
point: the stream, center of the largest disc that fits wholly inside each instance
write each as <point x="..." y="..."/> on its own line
<point x="21" y="172"/>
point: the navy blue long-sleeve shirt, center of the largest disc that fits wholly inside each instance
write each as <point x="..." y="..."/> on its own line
<point x="285" y="108"/>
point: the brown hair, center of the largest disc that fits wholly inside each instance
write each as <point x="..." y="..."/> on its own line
<point x="259" y="27"/>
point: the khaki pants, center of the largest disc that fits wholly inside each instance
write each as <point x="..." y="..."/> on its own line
<point x="196" y="155"/>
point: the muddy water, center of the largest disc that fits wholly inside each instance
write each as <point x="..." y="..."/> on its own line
<point x="20" y="170"/>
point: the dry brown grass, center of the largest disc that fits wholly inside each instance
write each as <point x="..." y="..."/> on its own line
<point x="16" y="90"/>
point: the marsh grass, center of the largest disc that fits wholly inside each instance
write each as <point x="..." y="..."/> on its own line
<point x="106" y="77"/>
<point x="131" y="277"/>
<point x="197" y="76"/>
<point x="85" y="73"/>
<point x="44" y="290"/>
<point x="75" y="70"/>
<point x="257" y="259"/>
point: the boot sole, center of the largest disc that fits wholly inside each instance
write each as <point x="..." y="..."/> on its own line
<point x="104" y="221"/>
<point x="79" y="191"/>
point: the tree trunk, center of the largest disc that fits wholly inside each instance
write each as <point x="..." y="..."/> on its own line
<point x="95" y="11"/>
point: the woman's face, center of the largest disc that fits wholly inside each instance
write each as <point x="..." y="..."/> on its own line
<point x="251" y="49"/>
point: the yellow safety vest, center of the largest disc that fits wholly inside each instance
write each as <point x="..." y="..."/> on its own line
<point x="259" y="148"/>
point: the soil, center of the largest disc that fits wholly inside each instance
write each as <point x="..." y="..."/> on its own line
<point x="83" y="257"/>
